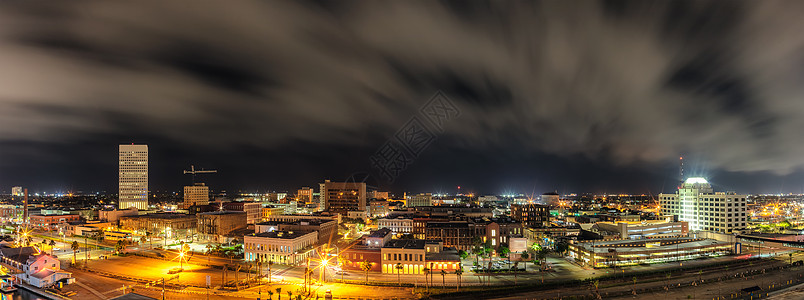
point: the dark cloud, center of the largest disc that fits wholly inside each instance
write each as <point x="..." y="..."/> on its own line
<point x="628" y="82"/>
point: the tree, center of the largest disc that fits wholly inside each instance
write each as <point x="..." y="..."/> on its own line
<point x="279" y="293"/>
<point x="143" y="239"/>
<point x="463" y="254"/>
<point x="398" y="269"/>
<point x="443" y="281"/>
<point x="290" y="295"/>
<point x="150" y="235"/>
<point x="503" y="252"/>
<point x="75" y="246"/>
<point x="366" y="267"/>
<point x="342" y="261"/>
<point x="426" y="274"/>
<point x="270" y="274"/>
<point x="525" y="257"/>
<point x="52" y="244"/>
<point x="270" y="295"/>
<point x="459" y="272"/>
<point x="119" y="246"/>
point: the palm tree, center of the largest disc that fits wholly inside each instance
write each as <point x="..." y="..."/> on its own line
<point x="75" y="246"/>
<point x="443" y="282"/>
<point x="525" y="257"/>
<point x="149" y="235"/>
<point x="52" y="244"/>
<point x="290" y="295"/>
<point x="366" y="267"/>
<point x="426" y="273"/>
<point x="459" y="272"/>
<point x="398" y="269"/>
<point x="270" y="295"/>
<point x="342" y="261"/>
<point x="279" y="293"/>
<point x="259" y="266"/>
<point x="270" y="274"/>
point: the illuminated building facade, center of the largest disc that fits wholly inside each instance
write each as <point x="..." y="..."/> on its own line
<point x="283" y="247"/>
<point x="629" y="252"/>
<point x="342" y="197"/>
<point x="133" y="177"/>
<point x="197" y="194"/>
<point x="696" y="203"/>
<point x="531" y="215"/>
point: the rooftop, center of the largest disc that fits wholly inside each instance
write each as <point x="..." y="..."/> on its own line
<point x="409" y="244"/>
<point x="160" y="216"/>
<point x="660" y="244"/>
<point x="276" y="234"/>
<point x="224" y="212"/>
<point x="379" y="233"/>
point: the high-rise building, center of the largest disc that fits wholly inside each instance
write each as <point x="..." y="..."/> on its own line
<point x="133" y="177"/>
<point x="197" y="194"/>
<point x="696" y="203"/>
<point x="17" y="191"/>
<point x="342" y="197"/>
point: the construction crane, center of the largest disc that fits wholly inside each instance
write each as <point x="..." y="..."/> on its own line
<point x="193" y="171"/>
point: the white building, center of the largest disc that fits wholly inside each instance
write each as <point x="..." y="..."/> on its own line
<point x="283" y="247"/>
<point x="17" y="191"/>
<point x="197" y="194"/>
<point x="696" y="203"/>
<point x="133" y="177"/>
<point x="398" y="225"/>
<point x="43" y="270"/>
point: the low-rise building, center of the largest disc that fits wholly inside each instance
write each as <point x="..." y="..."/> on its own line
<point x="408" y="253"/>
<point x="219" y="225"/>
<point x="378" y="208"/>
<point x="52" y="219"/>
<point x="324" y="228"/>
<point x="166" y="225"/>
<point x="114" y="215"/>
<point x="644" y="229"/>
<point x="456" y="234"/>
<point x="271" y="210"/>
<point x="42" y="270"/>
<point x="398" y="225"/>
<point x="379" y="237"/>
<point x="599" y="254"/>
<point x="283" y="247"/>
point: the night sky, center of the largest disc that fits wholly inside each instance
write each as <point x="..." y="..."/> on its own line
<point x="572" y="96"/>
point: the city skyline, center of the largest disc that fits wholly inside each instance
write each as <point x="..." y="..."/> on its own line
<point x="544" y="103"/>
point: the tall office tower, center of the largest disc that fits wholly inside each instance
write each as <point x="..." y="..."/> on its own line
<point x="696" y="203"/>
<point x="197" y="194"/>
<point x="342" y="197"/>
<point x="16" y="191"/>
<point x="133" y="180"/>
<point x="322" y="198"/>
